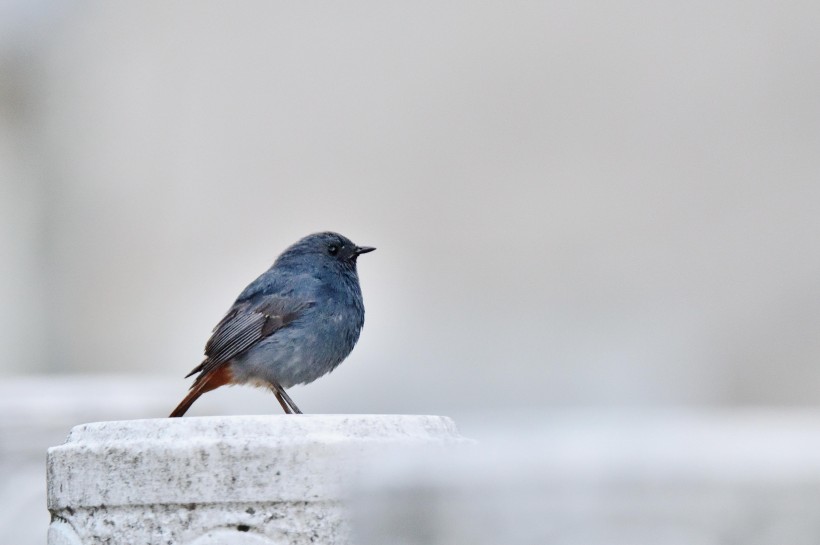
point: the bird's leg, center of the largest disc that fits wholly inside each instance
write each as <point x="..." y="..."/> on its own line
<point x="281" y="401"/>
<point x="284" y="399"/>
<point x="290" y="401"/>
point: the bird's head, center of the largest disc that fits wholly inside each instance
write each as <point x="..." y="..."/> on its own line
<point x="326" y="247"/>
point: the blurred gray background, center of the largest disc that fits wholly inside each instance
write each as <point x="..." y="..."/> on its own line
<point x="574" y="203"/>
<point x="577" y="205"/>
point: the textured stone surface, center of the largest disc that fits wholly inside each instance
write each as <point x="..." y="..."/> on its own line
<point x="248" y="479"/>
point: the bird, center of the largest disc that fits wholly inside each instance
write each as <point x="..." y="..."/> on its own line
<point x="295" y="323"/>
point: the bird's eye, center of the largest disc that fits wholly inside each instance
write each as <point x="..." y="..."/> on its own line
<point x="333" y="249"/>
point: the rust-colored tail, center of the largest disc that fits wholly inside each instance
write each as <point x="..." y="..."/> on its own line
<point x="211" y="380"/>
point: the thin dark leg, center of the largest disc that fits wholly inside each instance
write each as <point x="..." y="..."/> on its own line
<point x="281" y="401"/>
<point x="284" y="400"/>
<point x="290" y="401"/>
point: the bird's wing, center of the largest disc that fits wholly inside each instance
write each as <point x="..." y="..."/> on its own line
<point x="245" y="324"/>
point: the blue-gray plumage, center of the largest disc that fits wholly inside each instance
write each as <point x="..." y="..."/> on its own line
<point x="293" y="324"/>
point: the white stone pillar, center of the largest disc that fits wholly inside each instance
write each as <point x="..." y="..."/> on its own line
<point x="248" y="480"/>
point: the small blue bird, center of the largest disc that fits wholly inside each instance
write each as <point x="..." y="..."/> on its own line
<point x="293" y="324"/>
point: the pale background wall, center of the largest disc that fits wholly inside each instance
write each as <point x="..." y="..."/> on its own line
<point x="575" y="203"/>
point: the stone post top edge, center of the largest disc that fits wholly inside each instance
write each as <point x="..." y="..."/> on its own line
<point x="359" y="426"/>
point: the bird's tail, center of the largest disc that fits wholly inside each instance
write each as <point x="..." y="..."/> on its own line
<point x="211" y="380"/>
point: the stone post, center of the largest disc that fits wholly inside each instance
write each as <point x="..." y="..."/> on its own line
<point x="247" y="480"/>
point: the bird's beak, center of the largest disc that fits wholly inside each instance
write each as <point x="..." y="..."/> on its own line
<point x="363" y="250"/>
